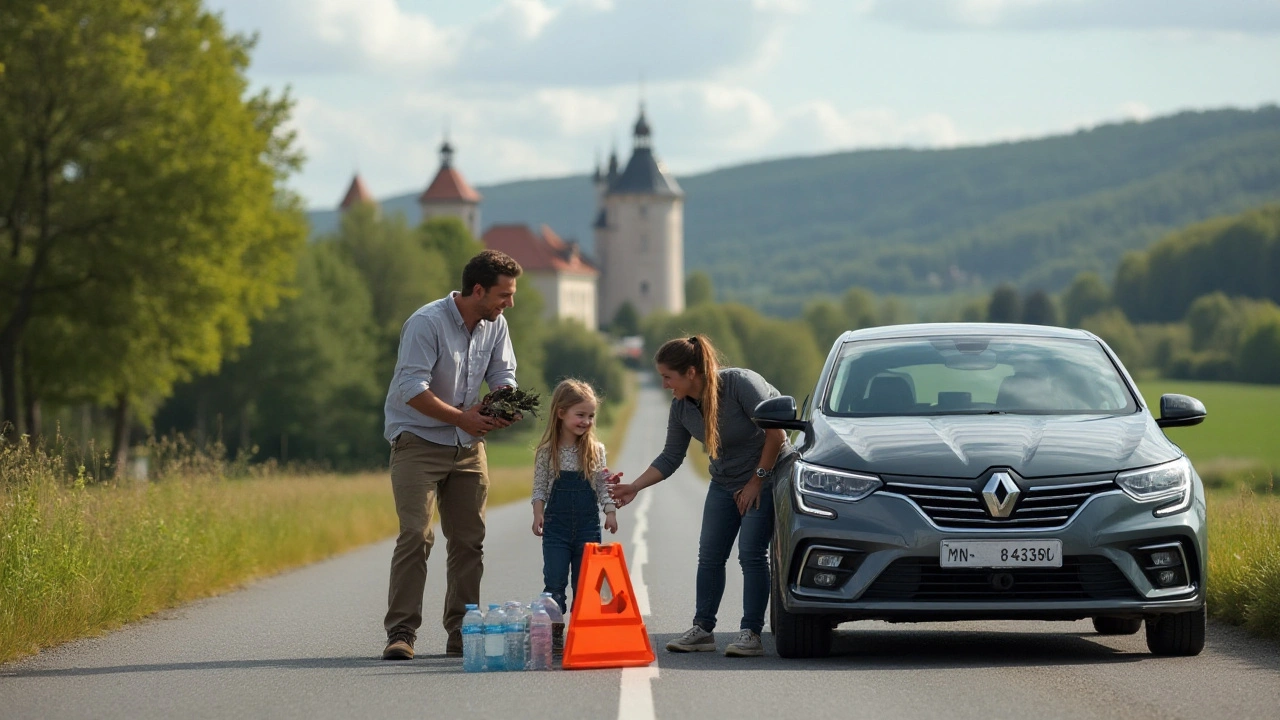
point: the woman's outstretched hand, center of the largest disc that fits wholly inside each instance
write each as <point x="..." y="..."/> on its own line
<point x="622" y="493"/>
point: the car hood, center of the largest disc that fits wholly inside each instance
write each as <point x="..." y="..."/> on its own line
<point x="963" y="446"/>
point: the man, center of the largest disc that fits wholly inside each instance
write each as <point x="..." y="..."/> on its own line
<point x="447" y="349"/>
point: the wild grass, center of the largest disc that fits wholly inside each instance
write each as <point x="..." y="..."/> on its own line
<point x="78" y="557"/>
<point x="1244" y="560"/>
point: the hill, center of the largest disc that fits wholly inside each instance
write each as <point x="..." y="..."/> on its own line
<point x="1034" y="212"/>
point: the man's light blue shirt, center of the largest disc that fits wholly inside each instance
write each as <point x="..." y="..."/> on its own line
<point x="437" y="353"/>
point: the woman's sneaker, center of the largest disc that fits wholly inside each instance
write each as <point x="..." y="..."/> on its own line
<point x="695" y="639"/>
<point x="746" y="645"/>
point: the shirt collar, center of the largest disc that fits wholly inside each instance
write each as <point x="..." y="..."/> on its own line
<point x="457" y="314"/>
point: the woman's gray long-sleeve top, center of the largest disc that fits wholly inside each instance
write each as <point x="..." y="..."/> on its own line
<point x="741" y="442"/>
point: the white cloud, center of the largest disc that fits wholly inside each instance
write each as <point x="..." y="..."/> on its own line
<point x="1195" y="16"/>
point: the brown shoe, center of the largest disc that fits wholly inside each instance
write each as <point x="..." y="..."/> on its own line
<point x="399" y="647"/>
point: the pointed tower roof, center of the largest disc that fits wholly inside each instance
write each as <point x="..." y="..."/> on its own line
<point x="449" y="185"/>
<point x="357" y="193"/>
<point x="644" y="175"/>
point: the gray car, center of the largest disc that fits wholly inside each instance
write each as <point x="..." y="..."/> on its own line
<point x="982" y="471"/>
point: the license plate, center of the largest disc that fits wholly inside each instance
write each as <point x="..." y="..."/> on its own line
<point x="1000" y="553"/>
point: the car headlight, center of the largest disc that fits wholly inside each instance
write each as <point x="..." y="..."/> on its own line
<point x="1170" y="481"/>
<point x="822" y="482"/>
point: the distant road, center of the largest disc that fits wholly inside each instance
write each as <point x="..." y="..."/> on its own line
<point x="305" y="645"/>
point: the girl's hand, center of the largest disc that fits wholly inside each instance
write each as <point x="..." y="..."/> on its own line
<point x="537" y="523"/>
<point x="623" y="493"/>
<point x="748" y="496"/>
<point x="611" y="523"/>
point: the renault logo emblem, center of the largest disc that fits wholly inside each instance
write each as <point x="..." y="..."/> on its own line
<point x="1000" y="495"/>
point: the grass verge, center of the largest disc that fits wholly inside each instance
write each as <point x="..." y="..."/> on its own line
<point x="79" y="559"/>
<point x="1244" y="560"/>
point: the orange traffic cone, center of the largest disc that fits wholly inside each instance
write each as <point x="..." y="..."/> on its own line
<point x="605" y="634"/>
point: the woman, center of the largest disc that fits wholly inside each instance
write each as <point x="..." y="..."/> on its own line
<point x="714" y="405"/>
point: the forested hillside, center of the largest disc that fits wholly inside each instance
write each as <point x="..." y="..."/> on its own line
<point x="1034" y="213"/>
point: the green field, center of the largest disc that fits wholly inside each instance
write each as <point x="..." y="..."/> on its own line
<point x="1238" y="434"/>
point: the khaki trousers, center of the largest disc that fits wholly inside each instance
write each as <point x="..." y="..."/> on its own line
<point x="424" y="476"/>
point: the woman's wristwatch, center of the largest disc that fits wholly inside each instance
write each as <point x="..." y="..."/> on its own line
<point x="764" y="474"/>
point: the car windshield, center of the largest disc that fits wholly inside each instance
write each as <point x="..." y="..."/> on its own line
<point x="976" y="375"/>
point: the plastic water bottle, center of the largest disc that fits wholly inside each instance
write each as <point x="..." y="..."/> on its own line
<point x="526" y="612"/>
<point x="495" y="627"/>
<point x="540" y="638"/>
<point x="514" y="636"/>
<point x="473" y="640"/>
<point x="553" y="608"/>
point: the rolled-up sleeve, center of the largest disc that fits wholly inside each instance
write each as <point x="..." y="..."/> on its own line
<point x="416" y="357"/>
<point x="502" y="361"/>
<point x="677" y="445"/>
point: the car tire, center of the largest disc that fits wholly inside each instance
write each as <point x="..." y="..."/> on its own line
<point x="1117" y="626"/>
<point x="798" y="635"/>
<point x="1176" y="633"/>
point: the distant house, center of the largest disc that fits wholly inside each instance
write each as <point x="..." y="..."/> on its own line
<point x="566" y="280"/>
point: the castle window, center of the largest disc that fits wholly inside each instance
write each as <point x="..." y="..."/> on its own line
<point x="644" y="243"/>
<point x="644" y="288"/>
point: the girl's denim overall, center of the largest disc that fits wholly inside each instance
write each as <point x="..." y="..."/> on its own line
<point x="571" y="519"/>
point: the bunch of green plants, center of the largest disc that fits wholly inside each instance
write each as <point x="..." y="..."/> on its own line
<point x="510" y="403"/>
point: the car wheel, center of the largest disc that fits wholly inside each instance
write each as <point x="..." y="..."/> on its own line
<point x="1117" y="626"/>
<point x="1176" y="633"/>
<point x="798" y="635"/>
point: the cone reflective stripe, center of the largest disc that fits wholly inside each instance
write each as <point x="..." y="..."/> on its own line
<point x="605" y="634"/>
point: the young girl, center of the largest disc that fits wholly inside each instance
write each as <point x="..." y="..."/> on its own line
<point x="570" y="486"/>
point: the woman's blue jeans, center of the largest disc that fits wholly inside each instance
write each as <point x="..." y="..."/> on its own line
<point x="721" y="524"/>
<point x="570" y="520"/>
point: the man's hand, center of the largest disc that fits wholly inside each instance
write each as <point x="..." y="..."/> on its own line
<point x="622" y="493"/>
<point x="537" y="523"/>
<point x="611" y="522"/>
<point x="473" y="423"/>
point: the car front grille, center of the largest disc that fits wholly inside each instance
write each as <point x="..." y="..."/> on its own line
<point x="1083" y="577"/>
<point x="961" y="507"/>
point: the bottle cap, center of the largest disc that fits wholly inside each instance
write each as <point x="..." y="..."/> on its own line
<point x="472" y="606"/>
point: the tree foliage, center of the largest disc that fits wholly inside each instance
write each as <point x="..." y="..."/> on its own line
<point x="698" y="289"/>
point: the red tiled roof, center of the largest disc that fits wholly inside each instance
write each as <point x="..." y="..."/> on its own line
<point x="534" y="251"/>
<point x="449" y="186"/>
<point x="357" y="193"/>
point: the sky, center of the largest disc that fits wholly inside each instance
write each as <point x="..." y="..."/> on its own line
<point x="542" y="88"/>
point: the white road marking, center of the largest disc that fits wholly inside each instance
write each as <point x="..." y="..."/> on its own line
<point x="635" y="699"/>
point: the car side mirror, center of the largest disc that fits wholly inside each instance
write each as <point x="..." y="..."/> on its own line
<point x="1179" y="411"/>
<point x="778" y="413"/>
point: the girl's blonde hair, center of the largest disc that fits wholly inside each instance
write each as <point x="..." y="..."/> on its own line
<point x="568" y="393"/>
<point x="698" y="353"/>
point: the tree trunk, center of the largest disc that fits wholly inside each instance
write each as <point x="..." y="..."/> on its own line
<point x="9" y="422"/>
<point x="120" y="439"/>
<point x="31" y="403"/>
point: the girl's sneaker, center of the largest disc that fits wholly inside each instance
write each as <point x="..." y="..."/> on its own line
<point x="557" y="638"/>
<point x="695" y="639"/>
<point x="746" y="645"/>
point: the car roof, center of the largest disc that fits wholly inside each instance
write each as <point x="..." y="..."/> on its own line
<point x="917" y="330"/>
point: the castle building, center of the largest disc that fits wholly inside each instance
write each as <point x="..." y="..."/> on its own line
<point x="566" y="280"/>
<point x="639" y="232"/>
<point x="449" y="195"/>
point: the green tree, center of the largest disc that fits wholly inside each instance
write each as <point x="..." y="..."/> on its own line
<point x="626" y="321"/>
<point x="826" y="321"/>
<point x="698" y="289"/>
<point x="894" y="312"/>
<point x="1259" y="356"/>
<point x="449" y="237"/>
<point x="1005" y="305"/>
<point x="573" y="351"/>
<point x="1040" y="309"/>
<point x="528" y="329"/>
<point x="141" y="187"/>
<point x="859" y="308"/>
<point x="1088" y="295"/>
<point x="1116" y="330"/>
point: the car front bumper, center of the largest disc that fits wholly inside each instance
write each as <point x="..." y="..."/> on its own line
<point x="893" y="539"/>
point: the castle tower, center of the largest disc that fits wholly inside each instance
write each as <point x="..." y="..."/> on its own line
<point x="639" y="233"/>
<point x="357" y="194"/>
<point x="449" y="195"/>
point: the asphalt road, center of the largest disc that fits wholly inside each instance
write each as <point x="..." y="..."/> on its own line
<point x="305" y="644"/>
